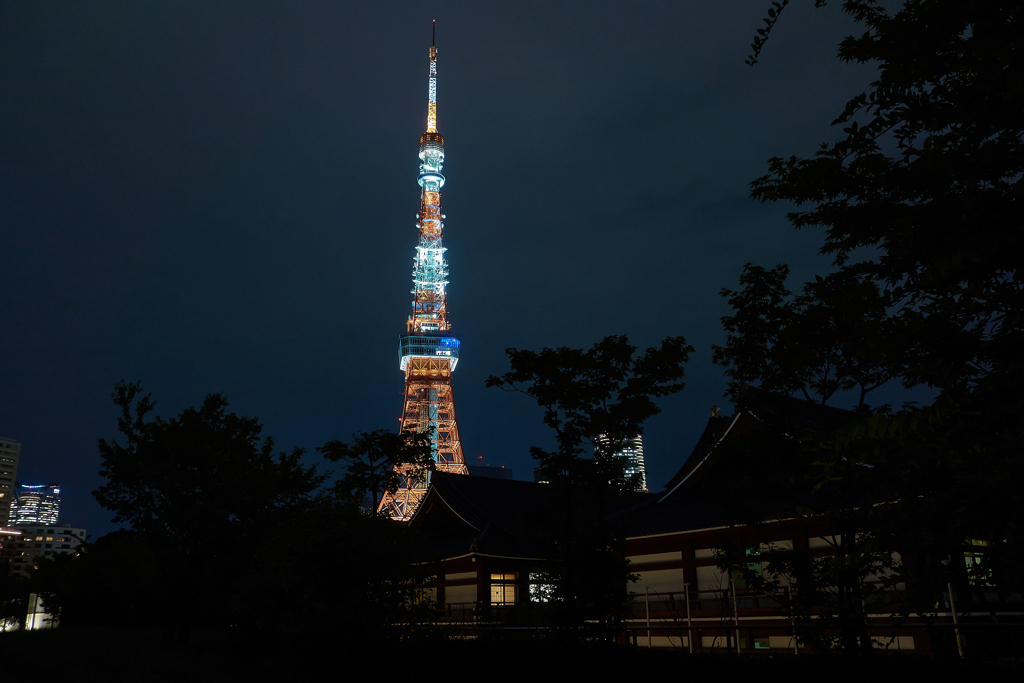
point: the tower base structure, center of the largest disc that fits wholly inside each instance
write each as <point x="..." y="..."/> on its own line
<point x="429" y="407"/>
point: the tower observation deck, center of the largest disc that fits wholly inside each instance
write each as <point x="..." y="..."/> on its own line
<point x="427" y="352"/>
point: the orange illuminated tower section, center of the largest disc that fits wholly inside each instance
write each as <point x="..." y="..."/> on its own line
<point x="428" y="353"/>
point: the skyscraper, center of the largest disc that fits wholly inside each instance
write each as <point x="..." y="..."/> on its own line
<point x="632" y="453"/>
<point x="428" y="353"/>
<point x="38" y="504"/>
<point x="10" y="451"/>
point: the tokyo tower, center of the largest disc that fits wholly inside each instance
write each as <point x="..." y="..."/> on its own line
<point x="427" y="352"/>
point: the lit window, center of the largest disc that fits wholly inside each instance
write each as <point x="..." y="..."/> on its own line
<point x="749" y="579"/>
<point x="503" y="589"/>
<point x="976" y="573"/>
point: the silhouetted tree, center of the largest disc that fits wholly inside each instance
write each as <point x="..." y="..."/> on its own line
<point x="919" y="200"/>
<point x="922" y="195"/>
<point x="370" y="461"/>
<point x="114" y="582"/>
<point x="607" y="390"/>
<point x="832" y="338"/>
<point x="334" y="574"/>
<point x="200" y="490"/>
<point x="14" y="592"/>
<point x="585" y="394"/>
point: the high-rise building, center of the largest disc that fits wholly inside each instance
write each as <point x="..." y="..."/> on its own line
<point x="38" y="504"/>
<point x="10" y="451"/>
<point x="428" y="353"/>
<point x="632" y="453"/>
<point x="35" y="541"/>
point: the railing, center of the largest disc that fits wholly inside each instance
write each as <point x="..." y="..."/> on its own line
<point x="471" y="611"/>
<point x="703" y="601"/>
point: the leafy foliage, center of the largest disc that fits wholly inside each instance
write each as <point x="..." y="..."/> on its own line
<point x="14" y="592"/>
<point x="605" y="391"/>
<point x="920" y="195"/>
<point x="371" y="461"/>
<point x="200" y="490"/>
<point x="334" y="573"/>
<point x="831" y="338"/>
<point x="826" y="593"/>
<point x="919" y="202"/>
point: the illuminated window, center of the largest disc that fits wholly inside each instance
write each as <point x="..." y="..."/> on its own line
<point x="751" y="579"/>
<point x="503" y="589"/>
<point x="976" y="573"/>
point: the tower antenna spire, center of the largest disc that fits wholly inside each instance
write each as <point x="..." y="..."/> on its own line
<point x="433" y="32"/>
<point x="428" y="352"/>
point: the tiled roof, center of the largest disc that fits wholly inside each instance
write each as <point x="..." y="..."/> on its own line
<point x="504" y="517"/>
<point x="713" y="431"/>
<point x="464" y="513"/>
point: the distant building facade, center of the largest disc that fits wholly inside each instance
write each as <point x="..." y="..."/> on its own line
<point x="632" y="452"/>
<point x="10" y="452"/>
<point x="21" y="549"/>
<point x="26" y="544"/>
<point x="35" y="504"/>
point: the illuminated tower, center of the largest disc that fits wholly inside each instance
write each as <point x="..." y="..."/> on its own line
<point x="427" y="352"/>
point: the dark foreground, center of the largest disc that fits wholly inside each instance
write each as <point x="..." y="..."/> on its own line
<point x="144" y="656"/>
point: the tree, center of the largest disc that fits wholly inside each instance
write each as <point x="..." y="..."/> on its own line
<point x="920" y="195"/>
<point x="79" y="588"/>
<point x="829" y="339"/>
<point x="920" y="199"/>
<point x="201" y="491"/>
<point x="353" y="584"/>
<point x="371" y="461"/>
<point x="794" y="466"/>
<point x="14" y="592"/>
<point x="586" y="394"/>
<point x="606" y="391"/>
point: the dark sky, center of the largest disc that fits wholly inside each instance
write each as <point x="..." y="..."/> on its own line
<point x="221" y="197"/>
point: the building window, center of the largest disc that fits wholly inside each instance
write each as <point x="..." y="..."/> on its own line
<point x="749" y="577"/>
<point x="973" y="558"/>
<point x="541" y="588"/>
<point x="503" y="589"/>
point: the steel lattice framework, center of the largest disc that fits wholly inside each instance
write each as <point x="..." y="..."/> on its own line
<point x="428" y="353"/>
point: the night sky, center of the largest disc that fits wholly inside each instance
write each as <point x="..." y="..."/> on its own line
<point x="221" y="197"/>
